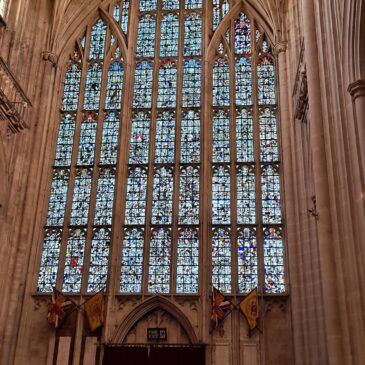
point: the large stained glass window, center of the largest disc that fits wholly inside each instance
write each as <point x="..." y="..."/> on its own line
<point x="152" y="152"/>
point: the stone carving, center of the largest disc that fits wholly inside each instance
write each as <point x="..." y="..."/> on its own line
<point x="50" y="57"/>
<point x="300" y="93"/>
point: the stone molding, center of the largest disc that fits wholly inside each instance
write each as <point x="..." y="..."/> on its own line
<point x="280" y="47"/>
<point x="357" y="89"/>
<point x="50" y="57"/>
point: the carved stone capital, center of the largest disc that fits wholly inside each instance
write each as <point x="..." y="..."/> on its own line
<point x="357" y="89"/>
<point x="280" y="47"/>
<point x="50" y="57"/>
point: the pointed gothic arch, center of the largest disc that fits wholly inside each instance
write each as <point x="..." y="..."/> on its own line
<point x="156" y="302"/>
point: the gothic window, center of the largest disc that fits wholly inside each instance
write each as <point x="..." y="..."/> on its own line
<point x="146" y="156"/>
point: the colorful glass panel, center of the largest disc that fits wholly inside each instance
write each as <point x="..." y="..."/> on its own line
<point x="50" y="259"/>
<point x="242" y="38"/>
<point x="165" y="138"/>
<point x="105" y="197"/>
<point x="190" y="137"/>
<point x="243" y="81"/>
<point x="170" y="4"/>
<point x="132" y="261"/>
<point x="86" y="152"/>
<point x="192" y="35"/>
<point x="65" y="140"/>
<point x="221" y="83"/>
<point x="146" y="36"/>
<point x="244" y="136"/>
<point x="169" y="39"/>
<point x="189" y="195"/>
<point x="221" y="196"/>
<point x="193" y="4"/>
<point x="160" y="261"/>
<point x="99" y="260"/>
<point x="114" y="86"/>
<point x="93" y="87"/>
<point x="187" y="267"/>
<point x="109" y="141"/>
<point x="167" y="85"/>
<point x="191" y="83"/>
<point x="246" y="202"/>
<point x="271" y="202"/>
<point x="247" y="260"/>
<point x="58" y="197"/>
<point x="147" y="5"/>
<point x="269" y="144"/>
<point x="266" y="81"/>
<point x="274" y="260"/>
<point x="135" y="209"/>
<point x="162" y="196"/>
<point x="71" y="90"/>
<point x="81" y="197"/>
<point x="74" y="261"/>
<point x="125" y="16"/>
<point x="221" y="260"/>
<point x="221" y="139"/>
<point x="143" y="85"/>
<point x="220" y="9"/>
<point x="97" y="42"/>
<point x="140" y="138"/>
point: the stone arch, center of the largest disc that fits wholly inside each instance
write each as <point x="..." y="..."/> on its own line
<point x="148" y="306"/>
<point x="256" y="11"/>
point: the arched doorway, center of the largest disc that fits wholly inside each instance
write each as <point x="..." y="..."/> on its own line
<point x="157" y="332"/>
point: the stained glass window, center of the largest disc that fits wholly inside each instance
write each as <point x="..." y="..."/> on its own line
<point x="187" y="276"/>
<point x="169" y="42"/>
<point x="186" y="135"/>
<point x="167" y="85"/>
<point x="160" y="261"/>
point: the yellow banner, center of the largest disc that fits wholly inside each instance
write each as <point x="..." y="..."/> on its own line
<point x="250" y="308"/>
<point x="94" y="309"/>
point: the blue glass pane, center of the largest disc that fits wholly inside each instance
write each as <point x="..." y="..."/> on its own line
<point x="266" y="81"/>
<point x="87" y="141"/>
<point x="220" y="9"/>
<point x="190" y="137"/>
<point x="132" y="261"/>
<point x="167" y="85"/>
<point x="243" y="81"/>
<point x="97" y="42"/>
<point x="74" y="261"/>
<point x="221" y="260"/>
<point x="221" y="82"/>
<point x="244" y="136"/>
<point x="65" y="140"/>
<point x="143" y="85"/>
<point x="191" y="83"/>
<point x="189" y="195"/>
<point x="93" y="87"/>
<point x="274" y="261"/>
<point x="48" y="270"/>
<point x="147" y="5"/>
<point x="269" y="143"/>
<point x="160" y="261"/>
<point x="271" y="202"/>
<point x="72" y="88"/>
<point x="58" y="197"/>
<point x="146" y="36"/>
<point x="165" y="138"/>
<point x="187" y="268"/>
<point x="221" y="195"/>
<point x="81" y="197"/>
<point x="246" y="202"/>
<point x="247" y="260"/>
<point x="162" y="196"/>
<point x="221" y="139"/>
<point x="114" y="86"/>
<point x="125" y="16"/>
<point x="109" y="141"/>
<point x="105" y="197"/>
<point x="193" y="4"/>
<point x="140" y="139"/>
<point x="170" y="4"/>
<point x="169" y="39"/>
<point x="192" y="35"/>
<point x="135" y="209"/>
<point x="242" y="38"/>
<point x="99" y="260"/>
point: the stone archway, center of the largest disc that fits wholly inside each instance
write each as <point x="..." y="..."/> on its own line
<point x="156" y="312"/>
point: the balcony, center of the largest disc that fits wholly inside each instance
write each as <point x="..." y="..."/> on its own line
<point x="14" y="104"/>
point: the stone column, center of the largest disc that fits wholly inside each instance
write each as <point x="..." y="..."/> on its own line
<point x="336" y="348"/>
